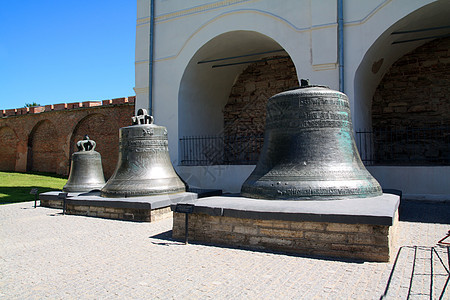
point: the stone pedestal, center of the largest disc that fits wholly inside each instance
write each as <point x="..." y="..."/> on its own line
<point x="143" y="209"/>
<point x="362" y="229"/>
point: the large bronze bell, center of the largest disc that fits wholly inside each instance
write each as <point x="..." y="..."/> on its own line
<point x="144" y="167"/>
<point x="309" y="151"/>
<point x="86" y="172"/>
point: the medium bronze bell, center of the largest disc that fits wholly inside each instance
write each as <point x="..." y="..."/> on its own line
<point x="309" y="151"/>
<point x="144" y="167"/>
<point x="86" y="172"/>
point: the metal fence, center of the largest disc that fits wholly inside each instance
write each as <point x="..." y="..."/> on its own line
<point x="381" y="146"/>
<point x="404" y="146"/>
<point x="220" y="150"/>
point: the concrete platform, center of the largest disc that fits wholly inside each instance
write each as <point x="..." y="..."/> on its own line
<point x="361" y="228"/>
<point x="376" y="210"/>
<point x="52" y="199"/>
<point x="144" y="209"/>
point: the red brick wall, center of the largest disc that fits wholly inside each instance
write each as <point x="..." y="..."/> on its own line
<point x="245" y="112"/>
<point x="43" y="149"/>
<point x="102" y="129"/>
<point x="7" y="149"/>
<point x="44" y="139"/>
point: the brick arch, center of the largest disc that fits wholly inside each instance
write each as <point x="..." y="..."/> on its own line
<point x="245" y="111"/>
<point x="413" y="98"/>
<point x="8" y="149"/>
<point x="43" y="148"/>
<point x="415" y="91"/>
<point x="99" y="128"/>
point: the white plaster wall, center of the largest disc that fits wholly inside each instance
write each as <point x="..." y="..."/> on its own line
<point x="305" y="29"/>
<point x="180" y="34"/>
<point x="431" y="183"/>
<point x="228" y="178"/>
<point x="364" y="25"/>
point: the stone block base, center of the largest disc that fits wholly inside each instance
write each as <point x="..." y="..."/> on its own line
<point x="354" y="241"/>
<point x="51" y="199"/>
<point x="122" y="213"/>
<point x="142" y="209"/>
<point x="352" y="231"/>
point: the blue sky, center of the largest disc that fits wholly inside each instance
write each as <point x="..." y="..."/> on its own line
<point x="56" y="51"/>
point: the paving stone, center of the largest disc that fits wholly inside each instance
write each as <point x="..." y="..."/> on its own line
<point x="44" y="254"/>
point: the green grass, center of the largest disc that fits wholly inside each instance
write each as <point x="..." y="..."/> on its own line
<point x="16" y="187"/>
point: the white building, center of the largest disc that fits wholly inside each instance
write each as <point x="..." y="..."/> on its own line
<point x="199" y="48"/>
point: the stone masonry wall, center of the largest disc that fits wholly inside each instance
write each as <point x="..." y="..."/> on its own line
<point x="415" y="93"/>
<point x="355" y="241"/>
<point x="245" y="112"/>
<point x="43" y="138"/>
<point x="416" y="90"/>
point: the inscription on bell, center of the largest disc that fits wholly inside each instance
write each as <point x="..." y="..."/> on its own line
<point x="144" y="167"/>
<point x="309" y="152"/>
<point x="147" y="132"/>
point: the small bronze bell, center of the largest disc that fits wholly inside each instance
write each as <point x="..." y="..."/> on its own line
<point x="144" y="167"/>
<point x="309" y="151"/>
<point x="86" y="172"/>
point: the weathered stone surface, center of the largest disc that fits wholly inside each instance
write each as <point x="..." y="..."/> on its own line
<point x="358" y="229"/>
<point x="414" y="93"/>
<point x="313" y="238"/>
<point x="245" y="111"/>
<point x="143" y="209"/>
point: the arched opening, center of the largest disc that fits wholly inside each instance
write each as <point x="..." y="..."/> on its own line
<point x="43" y="148"/>
<point x="410" y="108"/>
<point x="390" y="74"/>
<point x="99" y="128"/>
<point x="222" y="97"/>
<point x="8" y="150"/>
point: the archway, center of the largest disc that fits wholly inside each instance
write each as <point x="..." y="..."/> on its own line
<point x="43" y="148"/>
<point x="216" y="79"/>
<point x="393" y="47"/>
<point x="405" y="35"/>
<point x="411" y="123"/>
<point x="8" y="150"/>
<point x="99" y="128"/>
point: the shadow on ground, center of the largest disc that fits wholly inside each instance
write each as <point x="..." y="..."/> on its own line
<point x="19" y="194"/>
<point x="165" y="239"/>
<point x="424" y="211"/>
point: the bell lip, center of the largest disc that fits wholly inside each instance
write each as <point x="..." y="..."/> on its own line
<point x="312" y="197"/>
<point x="133" y="194"/>
<point x="353" y="189"/>
<point x="80" y="189"/>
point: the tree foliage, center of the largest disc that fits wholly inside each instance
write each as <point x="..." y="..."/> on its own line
<point x="32" y="104"/>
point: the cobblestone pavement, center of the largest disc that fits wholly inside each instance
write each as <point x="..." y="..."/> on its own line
<point x="44" y="254"/>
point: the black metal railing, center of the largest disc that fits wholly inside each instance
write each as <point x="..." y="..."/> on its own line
<point x="220" y="150"/>
<point x="381" y="146"/>
<point x="404" y="146"/>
